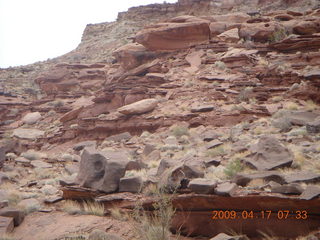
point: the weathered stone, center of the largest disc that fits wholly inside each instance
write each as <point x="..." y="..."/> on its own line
<point x="16" y="214"/>
<point x="202" y="186"/>
<point x="31" y="118"/>
<point x="40" y="164"/>
<point x="212" y="162"/>
<point x="102" y="235"/>
<point x="6" y="146"/>
<point x="132" y="55"/>
<point x="269" y="154"/>
<point x="217" y="28"/>
<point x="260" y="32"/>
<point x="223" y="236"/>
<point x="301" y="118"/>
<point x="231" y="35"/>
<point x="210" y="135"/>
<point x="244" y="179"/>
<point x="119" y="137"/>
<point x="30" y="205"/>
<point x="214" y="143"/>
<point x="73" y="114"/>
<point x="202" y="108"/>
<point x="3" y="177"/>
<point x="314" y="127"/>
<point x="226" y="189"/>
<point x="6" y="225"/>
<point x="101" y="171"/>
<point x="311" y="192"/>
<point x="148" y="148"/>
<point x="169" y="36"/>
<point x="28" y="133"/>
<point x="292" y="188"/>
<point x="130" y="184"/>
<point x="23" y="161"/>
<point x="81" y="145"/>
<point x="53" y="199"/>
<point x="303" y="176"/>
<point x="143" y="106"/>
<point x="306" y="27"/>
<point x="179" y="176"/>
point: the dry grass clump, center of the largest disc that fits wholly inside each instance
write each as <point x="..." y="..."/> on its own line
<point x="94" y="208"/>
<point x="218" y="151"/>
<point x="311" y="105"/>
<point x="179" y="131"/>
<point x="90" y="208"/>
<point x="233" y="167"/>
<point x="291" y="106"/>
<point x="71" y="207"/>
<point x="155" y="226"/>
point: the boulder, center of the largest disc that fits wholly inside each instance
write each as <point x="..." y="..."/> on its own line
<point x="231" y="35"/>
<point x="202" y="186"/>
<point x="28" y="133"/>
<point x="213" y="144"/>
<point x="244" y="179"/>
<point x="100" y="171"/>
<point x="314" y="127"/>
<point x="258" y="32"/>
<point x="130" y="184"/>
<point x="172" y="36"/>
<point x="15" y="213"/>
<point x="132" y="55"/>
<point x="140" y="107"/>
<point x="73" y="114"/>
<point x="293" y="188"/>
<point x="311" y="192"/>
<point x="269" y="154"/>
<point x="217" y="28"/>
<point x="306" y="27"/>
<point x="237" y="17"/>
<point x="226" y="189"/>
<point x="31" y="118"/>
<point x="179" y="176"/>
<point x="202" y="108"/>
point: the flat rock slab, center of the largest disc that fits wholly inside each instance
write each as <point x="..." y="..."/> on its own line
<point x="81" y="145"/>
<point x="301" y="118"/>
<point x="269" y="154"/>
<point x="226" y="189"/>
<point x="6" y="225"/>
<point x="40" y="164"/>
<point x="310" y="192"/>
<point x="202" y="186"/>
<point x="28" y="133"/>
<point x="202" y="108"/>
<point x="292" y="188"/>
<point x="15" y="213"/>
<point x="214" y="143"/>
<point x="130" y="184"/>
<point x="245" y="179"/>
<point x="306" y="177"/>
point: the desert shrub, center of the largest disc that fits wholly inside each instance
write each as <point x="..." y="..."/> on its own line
<point x="278" y="35"/>
<point x="217" y="151"/>
<point x="155" y="226"/>
<point x="180" y="131"/>
<point x="220" y="65"/>
<point x="244" y="95"/>
<point x="233" y="168"/>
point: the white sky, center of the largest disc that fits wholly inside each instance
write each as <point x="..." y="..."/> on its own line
<point x="35" y="30"/>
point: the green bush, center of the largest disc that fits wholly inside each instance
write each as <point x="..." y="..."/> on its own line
<point x="233" y="168"/>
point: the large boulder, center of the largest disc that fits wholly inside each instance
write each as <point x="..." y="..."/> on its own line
<point x="259" y="32"/>
<point x="307" y="27"/>
<point x="132" y="55"/>
<point x="31" y="118"/>
<point x="172" y="36"/>
<point x="143" y="106"/>
<point x="269" y="154"/>
<point x="101" y="171"/>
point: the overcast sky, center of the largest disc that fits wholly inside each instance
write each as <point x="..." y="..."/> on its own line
<point x="35" y="30"/>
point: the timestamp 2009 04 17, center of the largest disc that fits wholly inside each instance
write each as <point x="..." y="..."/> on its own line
<point x="264" y="214"/>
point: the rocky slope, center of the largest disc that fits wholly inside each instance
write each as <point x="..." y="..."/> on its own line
<point x="215" y="100"/>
